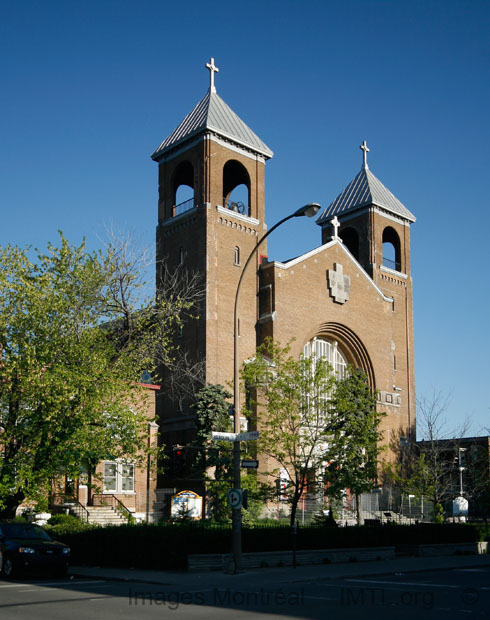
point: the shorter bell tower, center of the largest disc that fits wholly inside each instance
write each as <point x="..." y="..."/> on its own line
<point x="375" y="227"/>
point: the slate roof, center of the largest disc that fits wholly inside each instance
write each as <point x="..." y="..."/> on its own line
<point x="214" y="115"/>
<point x="365" y="189"/>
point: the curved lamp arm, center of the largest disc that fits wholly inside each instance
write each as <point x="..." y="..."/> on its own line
<point x="308" y="210"/>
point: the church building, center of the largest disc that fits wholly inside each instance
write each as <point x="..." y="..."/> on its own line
<point x="349" y="299"/>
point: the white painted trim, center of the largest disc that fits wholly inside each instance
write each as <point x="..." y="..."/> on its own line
<point x="234" y="145"/>
<point x="400" y="274"/>
<point x="238" y="216"/>
<point x="180" y="148"/>
<point x="400" y="219"/>
<point x="350" y="215"/>
<point x="322" y="248"/>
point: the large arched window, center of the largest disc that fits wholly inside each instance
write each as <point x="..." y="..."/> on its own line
<point x="320" y="348"/>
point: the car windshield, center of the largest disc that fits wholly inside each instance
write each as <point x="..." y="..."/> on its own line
<point x="23" y="530"/>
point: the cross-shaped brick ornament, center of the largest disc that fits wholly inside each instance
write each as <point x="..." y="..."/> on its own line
<point x="338" y="284"/>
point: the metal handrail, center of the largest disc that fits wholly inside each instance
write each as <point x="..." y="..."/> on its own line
<point x="182" y="207"/>
<point x="119" y="506"/>
<point x="82" y="512"/>
<point x="391" y="264"/>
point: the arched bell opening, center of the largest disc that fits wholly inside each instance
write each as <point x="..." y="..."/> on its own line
<point x="391" y="249"/>
<point x="350" y="238"/>
<point x="236" y="187"/>
<point x="183" y="188"/>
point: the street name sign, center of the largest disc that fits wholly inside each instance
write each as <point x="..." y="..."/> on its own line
<point x="224" y="436"/>
<point x="250" y="436"/>
<point x="250" y="464"/>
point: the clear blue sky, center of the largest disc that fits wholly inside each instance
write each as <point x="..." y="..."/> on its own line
<point x="89" y="89"/>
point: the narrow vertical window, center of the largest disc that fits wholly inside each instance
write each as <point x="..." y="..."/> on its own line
<point x="127" y="477"/>
<point x="110" y="476"/>
<point x="181" y="256"/>
<point x="237" y="255"/>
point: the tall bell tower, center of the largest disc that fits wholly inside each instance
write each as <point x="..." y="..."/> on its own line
<point x="219" y="162"/>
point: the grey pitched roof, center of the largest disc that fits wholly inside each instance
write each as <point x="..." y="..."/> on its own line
<point x="214" y="115"/>
<point x="365" y="189"/>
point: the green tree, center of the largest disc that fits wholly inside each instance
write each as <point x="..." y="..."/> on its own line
<point x="353" y="437"/>
<point x="429" y="467"/>
<point x="291" y="400"/>
<point x="76" y="335"/>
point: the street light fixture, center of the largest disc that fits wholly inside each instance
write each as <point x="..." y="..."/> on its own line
<point x="308" y="210"/>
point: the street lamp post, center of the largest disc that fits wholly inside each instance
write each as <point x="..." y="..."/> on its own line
<point x="308" y="210"/>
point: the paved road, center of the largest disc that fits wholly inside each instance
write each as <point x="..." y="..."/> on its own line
<point x="455" y="592"/>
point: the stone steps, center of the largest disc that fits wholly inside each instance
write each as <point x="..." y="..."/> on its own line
<point x="105" y="515"/>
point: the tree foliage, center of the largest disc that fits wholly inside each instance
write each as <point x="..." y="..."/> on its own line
<point x="75" y="338"/>
<point x="430" y="467"/>
<point x="212" y="414"/>
<point x="292" y="407"/>
<point x="354" y="437"/>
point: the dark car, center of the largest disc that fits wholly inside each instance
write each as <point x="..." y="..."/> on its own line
<point x="25" y="547"/>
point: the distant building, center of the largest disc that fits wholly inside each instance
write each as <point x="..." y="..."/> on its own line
<point x="115" y="489"/>
<point x="464" y="466"/>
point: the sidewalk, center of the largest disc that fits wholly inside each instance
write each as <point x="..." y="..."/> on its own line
<point x="263" y="576"/>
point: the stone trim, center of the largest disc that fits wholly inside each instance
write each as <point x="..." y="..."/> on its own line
<point x="321" y="248"/>
<point x="238" y="216"/>
<point x="221" y="561"/>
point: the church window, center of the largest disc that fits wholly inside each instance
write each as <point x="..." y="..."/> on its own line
<point x="320" y="348"/>
<point x="237" y="255"/>
<point x="181" y="256"/>
<point x="391" y="249"/>
<point x="236" y="187"/>
<point x="183" y="188"/>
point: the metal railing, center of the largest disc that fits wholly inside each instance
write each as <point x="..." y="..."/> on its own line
<point x="391" y="264"/>
<point x="182" y="207"/>
<point x="107" y="499"/>
<point x="66" y="501"/>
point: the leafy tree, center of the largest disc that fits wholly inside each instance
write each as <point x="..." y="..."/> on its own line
<point x="291" y="397"/>
<point x="76" y="334"/>
<point x="212" y="414"/>
<point x="430" y="467"/>
<point x="353" y="437"/>
<point x="213" y="460"/>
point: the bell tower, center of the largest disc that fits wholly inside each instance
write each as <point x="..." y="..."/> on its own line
<point x="375" y="227"/>
<point x="211" y="213"/>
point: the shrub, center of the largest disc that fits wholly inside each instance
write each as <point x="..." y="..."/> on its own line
<point x="65" y="519"/>
<point x="166" y="546"/>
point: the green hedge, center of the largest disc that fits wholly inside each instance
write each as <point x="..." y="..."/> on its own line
<point x="166" y="546"/>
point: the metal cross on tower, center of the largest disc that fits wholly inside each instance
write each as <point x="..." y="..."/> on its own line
<point x="212" y="70"/>
<point x="365" y="150"/>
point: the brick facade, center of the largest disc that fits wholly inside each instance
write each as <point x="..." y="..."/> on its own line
<point x="290" y="300"/>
